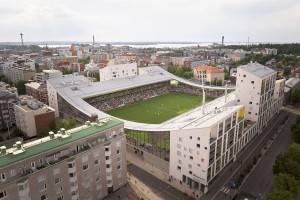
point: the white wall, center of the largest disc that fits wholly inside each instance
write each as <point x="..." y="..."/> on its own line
<point x="118" y="71"/>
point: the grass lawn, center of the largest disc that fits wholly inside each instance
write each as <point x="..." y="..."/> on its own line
<point x="158" y="109"/>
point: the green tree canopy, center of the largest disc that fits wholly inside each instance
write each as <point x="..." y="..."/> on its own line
<point x="20" y="85"/>
<point x="280" y="195"/>
<point x="296" y="131"/>
<point x="287" y="71"/>
<point x="285" y="182"/>
<point x="296" y="96"/>
<point x="83" y="60"/>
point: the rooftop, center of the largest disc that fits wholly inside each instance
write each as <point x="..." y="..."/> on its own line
<point x="258" y="69"/>
<point x="292" y="82"/>
<point x="208" y="69"/>
<point x="45" y="144"/>
<point x="28" y="103"/>
<point x="36" y="85"/>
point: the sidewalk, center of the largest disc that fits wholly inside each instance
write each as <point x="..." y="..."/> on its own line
<point x="162" y="175"/>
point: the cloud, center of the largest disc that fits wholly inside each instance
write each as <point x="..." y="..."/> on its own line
<point x="150" y="20"/>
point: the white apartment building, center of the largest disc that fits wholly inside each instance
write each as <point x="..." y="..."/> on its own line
<point x="47" y="74"/>
<point x="200" y="150"/>
<point x="118" y="71"/>
<point x="32" y="115"/>
<point x="16" y="73"/>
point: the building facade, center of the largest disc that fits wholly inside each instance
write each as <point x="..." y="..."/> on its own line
<point x="87" y="162"/>
<point x="47" y="74"/>
<point x="209" y="73"/>
<point x="118" y="71"/>
<point x="32" y="116"/>
<point x="38" y="91"/>
<point x="15" y="73"/>
<point x="7" y="97"/>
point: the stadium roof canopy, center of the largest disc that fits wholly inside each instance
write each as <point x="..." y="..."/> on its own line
<point x="75" y="88"/>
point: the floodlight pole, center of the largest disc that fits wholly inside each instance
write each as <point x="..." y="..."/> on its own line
<point x="203" y="94"/>
<point x="226" y="92"/>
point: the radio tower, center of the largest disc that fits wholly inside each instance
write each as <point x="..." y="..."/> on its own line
<point x="22" y="38"/>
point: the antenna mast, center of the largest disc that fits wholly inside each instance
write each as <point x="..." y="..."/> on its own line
<point x="203" y="94"/>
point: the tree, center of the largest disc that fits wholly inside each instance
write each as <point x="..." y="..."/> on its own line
<point x="288" y="162"/>
<point x="287" y="71"/>
<point x="285" y="182"/>
<point x="20" y="85"/>
<point x="52" y="125"/>
<point x="219" y="82"/>
<point x="43" y="132"/>
<point x="226" y="74"/>
<point x="97" y="76"/>
<point x="280" y="195"/>
<point x="17" y="133"/>
<point x="83" y="60"/>
<point x="296" y="96"/>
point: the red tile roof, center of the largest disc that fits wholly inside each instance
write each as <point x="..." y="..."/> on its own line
<point x="208" y="69"/>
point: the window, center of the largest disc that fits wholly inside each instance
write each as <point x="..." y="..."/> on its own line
<point x="107" y="165"/>
<point x="106" y="149"/>
<point x="56" y="171"/>
<point x="178" y="168"/>
<point x="96" y="153"/>
<point x="3" y="177"/>
<point x="60" y="198"/>
<point x="120" y="181"/>
<point x="43" y="187"/>
<point x="41" y="178"/>
<point x="59" y="190"/>
<point x="184" y="148"/>
<point x="2" y="194"/>
<point x="57" y="180"/>
<point x="178" y="146"/>
<point x="118" y="151"/>
<point x="119" y="167"/>
<point x="85" y="167"/>
<point x="96" y="162"/>
<point x="70" y="165"/>
<point x="32" y="164"/>
<point x="190" y="166"/>
<point x="252" y="82"/>
<point x="98" y="187"/>
<point x="180" y="161"/>
<point x="180" y="139"/>
<point x="97" y="170"/>
<point x="191" y="137"/>
<point x="198" y="145"/>
<point x="86" y="176"/>
<point x="118" y="144"/>
<point x="250" y="102"/>
<point x="106" y="157"/>
<point x="190" y="172"/>
<point x="119" y="175"/>
<point x="108" y="173"/>
<point x="198" y="138"/>
<point x="198" y="153"/>
<point x="178" y="153"/>
<point x="86" y="185"/>
<point x="44" y="197"/>
<point x="238" y="100"/>
<point x="21" y="187"/>
<point x="118" y="159"/>
<point x="12" y="173"/>
<point x="72" y="174"/>
<point x="249" y="112"/>
<point x="73" y="183"/>
<point x="98" y="178"/>
<point x="244" y="76"/>
<point x="190" y="150"/>
<point x="84" y="158"/>
<point x="205" y="148"/>
<point x="98" y="195"/>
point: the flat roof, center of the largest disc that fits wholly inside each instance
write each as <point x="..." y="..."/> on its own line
<point x="75" y="88"/>
<point x="46" y="144"/>
<point x="258" y="69"/>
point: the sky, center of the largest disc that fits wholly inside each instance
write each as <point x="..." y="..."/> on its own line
<point x="150" y="20"/>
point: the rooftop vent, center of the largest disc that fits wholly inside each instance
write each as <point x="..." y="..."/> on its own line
<point x="88" y="123"/>
<point x="3" y="149"/>
<point x="18" y="145"/>
<point x="63" y="131"/>
<point x="51" y="134"/>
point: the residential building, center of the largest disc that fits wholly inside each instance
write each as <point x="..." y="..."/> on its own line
<point x="296" y="72"/>
<point x="97" y="57"/>
<point x="32" y="116"/>
<point x="46" y="75"/>
<point x="87" y="162"/>
<point x="209" y="73"/>
<point x="15" y="73"/>
<point x="201" y="149"/>
<point x="290" y="85"/>
<point x="118" y="71"/>
<point x="38" y="91"/>
<point x="179" y="60"/>
<point x="71" y="59"/>
<point x="7" y="96"/>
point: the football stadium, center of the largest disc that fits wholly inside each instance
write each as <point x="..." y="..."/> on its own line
<point x="169" y="121"/>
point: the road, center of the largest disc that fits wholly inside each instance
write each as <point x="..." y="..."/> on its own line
<point x="159" y="187"/>
<point x="261" y="180"/>
<point x="222" y="185"/>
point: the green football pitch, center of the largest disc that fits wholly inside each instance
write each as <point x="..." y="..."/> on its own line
<point x="158" y="109"/>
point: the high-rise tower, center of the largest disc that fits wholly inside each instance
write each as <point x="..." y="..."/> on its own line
<point x="22" y="38"/>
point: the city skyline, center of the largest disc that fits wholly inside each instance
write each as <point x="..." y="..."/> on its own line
<point x="135" y="21"/>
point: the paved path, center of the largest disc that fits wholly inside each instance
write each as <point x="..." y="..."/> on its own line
<point x="222" y="185"/>
<point x="160" y="188"/>
<point x="261" y="179"/>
